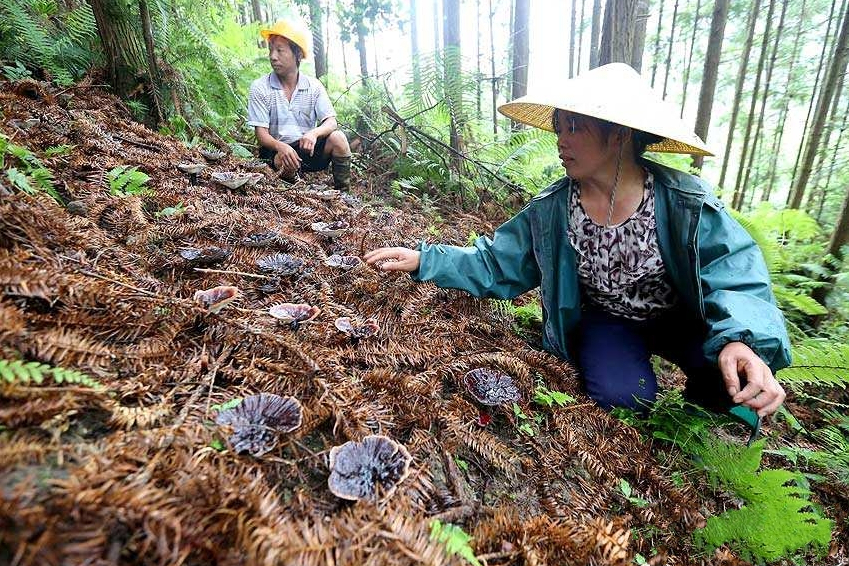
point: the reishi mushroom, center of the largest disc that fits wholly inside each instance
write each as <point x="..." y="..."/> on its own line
<point x="280" y="264"/>
<point x="492" y="389"/>
<point x="356" y="330"/>
<point x="294" y="313"/>
<point x="216" y="298"/>
<point x="363" y="470"/>
<point x="259" y="420"/>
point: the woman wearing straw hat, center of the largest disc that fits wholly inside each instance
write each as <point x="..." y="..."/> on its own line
<point x="632" y="258"/>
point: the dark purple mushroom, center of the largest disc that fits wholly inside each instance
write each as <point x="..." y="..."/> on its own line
<point x="205" y="256"/>
<point x="216" y="298"/>
<point x="259" y="239"/>
<point x="492" y="389"/>
<point x="363" y="470"/>
<point x="342" y="261"/>
<point x="259" y="420"/>
<point x="294" y="313"/>
<point x="212" y="154"/>
<point x="357" y="330"/>
<point x="232" y="180"/>
<point x="280" y="264"/>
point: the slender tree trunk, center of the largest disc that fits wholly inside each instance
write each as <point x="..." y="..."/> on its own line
<point x="709" y="76"/>
<point x="572" y="39"/>
<point x="690" y="56"/>
<point x="837" y="146"/>
<point x="656" y="55"/>
<point x="737" y="200"/>
<point x="152" y="67"/>
<point x="617" y="35"/>
<point x="257" y="14"/>
<point x="840" y="236"/>
<point x="319" y="53"/>
<point x="790" y="194"/>
<point x="521" y="49"/>
<point x="414" y="40"/>
<point x="493" y="78"/>
<point x="453" y="84"/>
<point x="738" y="88"/>
<point x="478" y="74"/>
<point x="784" y="106"/>
<point x="642" y="18"/>
<point x="581" y="34"/>
<point x="595" y="33"/>
<point x="834" y="74"/>
<point x="437" y="18"/>
<point x="361" y="49"/>
<point x="669" y="51"/>
<point x="119" y="71"/>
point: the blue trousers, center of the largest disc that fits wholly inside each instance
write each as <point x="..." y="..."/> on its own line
<point x="613" y="356"/>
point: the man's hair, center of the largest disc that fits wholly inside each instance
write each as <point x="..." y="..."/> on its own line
<point x="296" y="49"/>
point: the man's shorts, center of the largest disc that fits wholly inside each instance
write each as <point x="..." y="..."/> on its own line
<point x="315" y="162"/>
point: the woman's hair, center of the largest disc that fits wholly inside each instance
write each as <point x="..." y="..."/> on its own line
<point x="639" y="138"/>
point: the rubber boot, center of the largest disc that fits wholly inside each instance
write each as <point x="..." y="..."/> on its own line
<point x="341" y="169"/>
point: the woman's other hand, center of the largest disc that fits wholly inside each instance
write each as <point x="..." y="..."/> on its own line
<point x="762" y="392"/>
<point x="394" y="259"/>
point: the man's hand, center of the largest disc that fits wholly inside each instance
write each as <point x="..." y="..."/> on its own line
<point x="762" y="392"/>
<point x="308" y="141"/>
<point x="287" y="159"/>
<point x="395" y="259"/>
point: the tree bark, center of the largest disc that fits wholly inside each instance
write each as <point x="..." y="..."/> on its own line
<point x="617" y="35"/>
<point x="641" y="20"/>
<point x="257" y="13"/>
<point x="595" y="33"/>
<point x="361" y="49"/>
<point x="478" y="74"/>
<point x="837" y="146"/>
<point x="152" y="66"/>
<point x="453" y="84"/>
<point x="690" y="56"/>
<point x="738" y="88"/>
<point x="669" y="51"/>
<point x="572" y="39"/>
<point x="581" y="34"/>
<point x="834" y="74"/>
<point x="521" y="49"/>
<point x="414" y="40"/>
<point x="709" y="76"/>
<point x="737" y="199"/>
<point x="790" y="193"/>
<point x="493" y="78"/>
<point x="656" y="55"/>
<point x="319" y="53"/>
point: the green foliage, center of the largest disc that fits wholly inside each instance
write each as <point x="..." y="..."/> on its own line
<point x="549" y="398"/>
<point x="38" y="35"/>
<point x="455" y="539"/>
<point x="125" y="181"/>
<point x="58" y="150"/>
<point x="626" y="490"/>
<point x="525" y="423"/>
<point x="16" y="73"/>
<point x="178" y="210"/>
<point x="818" y="362"/>
<point x="24" y="170"/>
<point x="529" y="315"/>
<point x="18" y="371"/>
<point x="227" y="405"/>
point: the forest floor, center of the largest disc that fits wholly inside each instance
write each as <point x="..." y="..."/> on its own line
<point x="138" y="472"/>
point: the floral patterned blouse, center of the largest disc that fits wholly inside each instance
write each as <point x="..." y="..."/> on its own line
<point x="619" y="267"/>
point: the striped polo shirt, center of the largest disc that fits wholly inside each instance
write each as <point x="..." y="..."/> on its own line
<point x="288" y="120"/>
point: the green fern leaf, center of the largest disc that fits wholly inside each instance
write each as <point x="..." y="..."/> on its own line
<point x="821" y="364"/>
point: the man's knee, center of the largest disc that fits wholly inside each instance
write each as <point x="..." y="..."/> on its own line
<point x="337" y="144"/>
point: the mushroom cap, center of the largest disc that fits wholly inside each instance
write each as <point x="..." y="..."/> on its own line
<point x="205" y="256"/>
<point x="356" y="330"/>
<point x="259" y="419"/>
<point x="255" y="164"/>
<point x="342" y="261"/>
<point x="281" y="264"/>
<point x="490" y="387"/>
<point x="232" y="180"/>
<point x="191" y="168"/>
<point x="329" y="194"/>
<point x="216" y="298"/>
<point x="212" y="154"/>
<point x="259" y="239"/>
<point x="330" y="229"/>
<point x="359" y="470"/>
<point x="294" y="312"/>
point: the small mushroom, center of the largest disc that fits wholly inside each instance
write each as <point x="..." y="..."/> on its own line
<point x="212" y="154"/>
<point x="329" y="194"/>
<point x="192" y="169"/>
<point x="254" y="178"/>
<point x="216" y="298"/>
<point x="259" y="239"/>
<point x="342" y="261"/>
<point x="255" y="165"/>
<point x="356" y="331"/>
<point x="330" y="229"/>
<point x="280" y="264"/>
<point x="490" y="388"/>
<point x="294" y="313"/>
<point x="205" y="256"/>
<point x="258" y="421"/>
<point x="364" y="470"/>
<point x="351" y="200"/>
<point x="232" y="180"/>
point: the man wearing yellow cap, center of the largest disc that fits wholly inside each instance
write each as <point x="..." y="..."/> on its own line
<point x="291" y="113"/>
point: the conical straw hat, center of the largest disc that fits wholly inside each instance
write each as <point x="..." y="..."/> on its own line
<point x="618" y="94"/>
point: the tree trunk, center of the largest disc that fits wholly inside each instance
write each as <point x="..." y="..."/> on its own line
<point x="257" y="13"/>
<point x="669" y="51"/>
<point x="361" y="49"/>
<point x="617" y="35"/>
<point x="437" y="18"/>
<point x="709" y="76"/>
<point x="478" y="73"/>
<point x="152" y="67"/>
<point x="782" y="112"/>
<point x="493" y="78"/>
<point x="119" y="69"/>
<point x="414" y="40"/>
<point x="790" y="194"/>
<point x="319" y="53"/>
<point x="452" y="79"/>
<point x="642" y="18"/>
<point x="594" y="34"/>
<point x="738" y="88"/>
<point x="834" y="74"/>
<point x="837" y="146"/>
<point x="656" y="55"/>
<point x="581" y="34"/>
<point x="572" y="24"/>
<point x="690" y="56"/>
<point x="840" y="237"/>
<point x="521" y="49"/>
<point x="737" y="200"/>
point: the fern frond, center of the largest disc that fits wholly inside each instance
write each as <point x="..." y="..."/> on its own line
<point x="826" y="364"/>
<point x="18" y="371"/>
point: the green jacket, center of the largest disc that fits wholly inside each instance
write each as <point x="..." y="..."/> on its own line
<point x="713" y="263"/>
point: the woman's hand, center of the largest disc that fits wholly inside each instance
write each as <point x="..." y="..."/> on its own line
<point x="395" y="259"/>
<point x="762" y="392"/>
